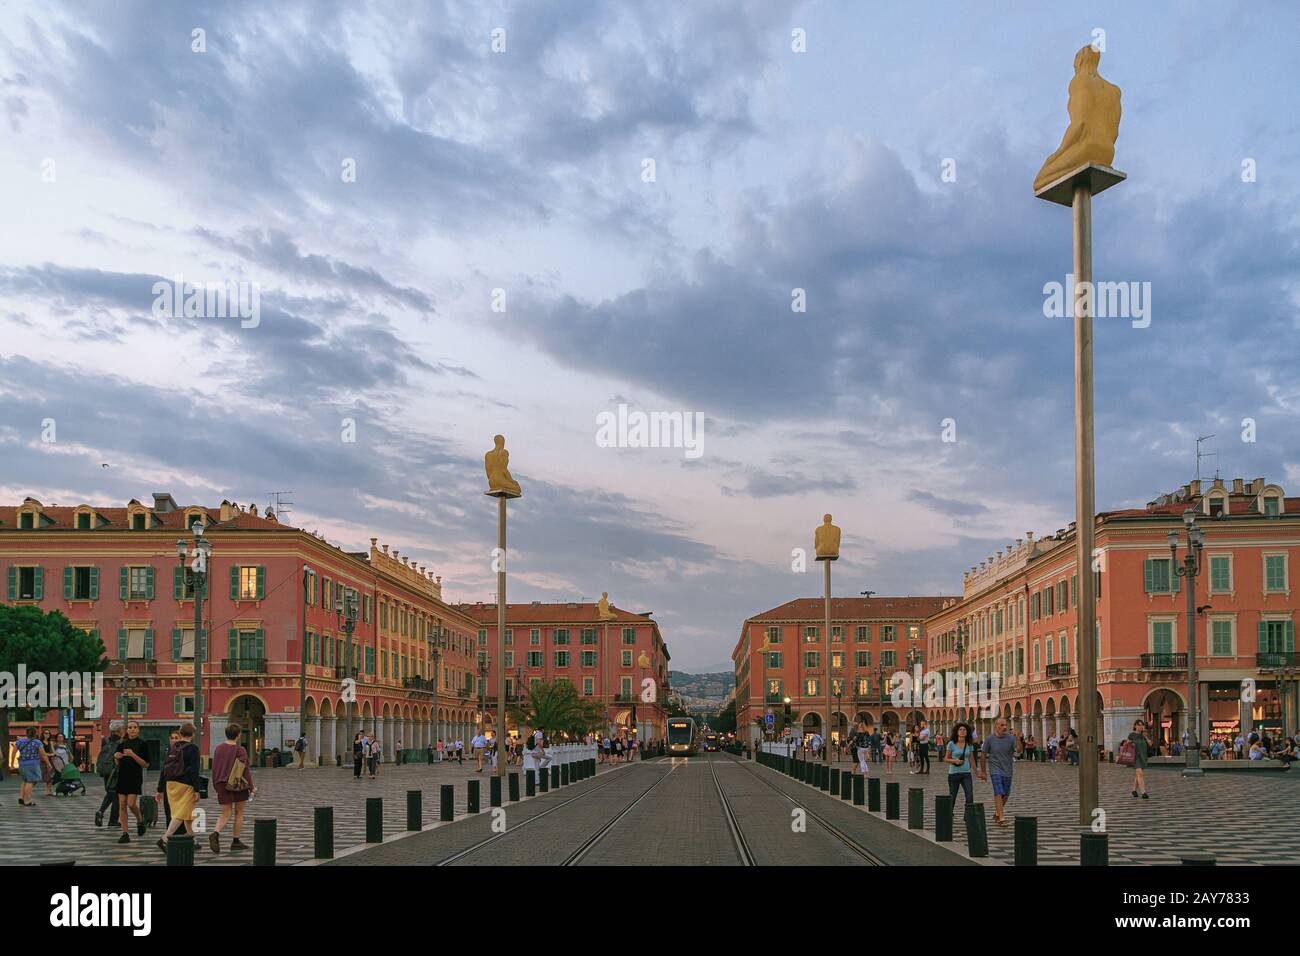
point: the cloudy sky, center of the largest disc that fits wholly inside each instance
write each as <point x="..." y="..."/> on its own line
<point x="135" y="149"/>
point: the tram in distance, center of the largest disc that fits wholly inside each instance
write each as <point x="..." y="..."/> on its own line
<point x="712" y="742"/>
<point x="683" y="740"/>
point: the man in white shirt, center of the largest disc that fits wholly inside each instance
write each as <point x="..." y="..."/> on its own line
<point x="479" y="744"/>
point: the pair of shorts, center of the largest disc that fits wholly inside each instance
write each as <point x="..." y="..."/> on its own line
<point x="1001" y="785"/>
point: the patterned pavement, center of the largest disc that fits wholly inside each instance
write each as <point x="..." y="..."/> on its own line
<point x="65" y="826"/>
<point x="1217" y="814"/>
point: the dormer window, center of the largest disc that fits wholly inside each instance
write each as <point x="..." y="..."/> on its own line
<point x="1216" y="505"/>
<point x="83" y="521"/>
<point x="27" y="520"/>
<point x="139" y="521"/>
<point x="1272" y="505"/>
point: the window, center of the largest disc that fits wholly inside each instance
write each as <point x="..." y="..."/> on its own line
<point x="589" y="635"/>
<point x="137" y="584"/>
<point x="889" y="658"/>
<point x="1220" y="573"/>
<point x="629" y="635"/>
<point x="775" y="689"/>
<point x="1035" y="606"/>
<point x="248" y="583"/>
<point x="183" y="704"/>
<point x="1275" y="572"/>
<point x="1049" y="601"/>
<point x="887" y="633"/>
<point x="535" y="637"/>
<point x="510" y="637"/>
<point x="1074" y="590"/>
<point x="588" y="686"/>
<point x="862" y="658"/>
<point x="914" y="630"/>
<point x="129" y="704"/>
<point x="26" y="521"/>
<point x="588" y="659"/>
<point x="774" y="635"/>
<point x="482" y="638"/>
<point x="1162" y="637"/>
<point x="1276" y="637"/>
<point x="810" y="634"/>
<point x="1221" y="637"/>
<point x="625" y="688"/>
<point x="135" y="644"/>
<point x="183" y="644"/>
<point x="137" y="522"/>
<point x="535" y="659"/>
<point x="862" y="687"/>
<point x="1037" y="668"/>
<point x="1272" y="506"/>
<point x="26" y="584"/>
<point x="1159" y="576"/>
<point x="775" y="659"/>
<point x="510" y="659"/>
<point x="561" y="658"/>
<point x="83" y="521"/>
<point x="812" y="658"/>
<point x="1062" y="600"/>
<point x="862" y="634"/>
<point x="627" y="658"/>
<point x="837" y="658"/>
<point x="837" y="635"/>
<point x="366" y="608"/>
<point x="559" y="636"/>
<point x="812" y="687"/>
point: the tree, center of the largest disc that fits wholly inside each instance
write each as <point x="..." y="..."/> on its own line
<point x="727" y="719"/>
<point x="46" y="643"/>
<point x="556" y="706"/>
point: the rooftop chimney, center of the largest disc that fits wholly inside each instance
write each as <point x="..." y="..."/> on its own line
<point x="1238" y="486"/>
<point x="163" y="502"/>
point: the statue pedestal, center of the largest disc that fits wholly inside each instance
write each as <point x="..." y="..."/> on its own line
<point x="1098" y="178"/>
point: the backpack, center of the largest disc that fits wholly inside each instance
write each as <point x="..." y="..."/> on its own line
<point x="301" y="745"/>
<point x="1127" y="754"/>
<point x="104" y="762"/>
<point x="174" y="764"/>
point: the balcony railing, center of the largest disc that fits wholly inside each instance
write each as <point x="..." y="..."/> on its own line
<point x="1271" y="659"/>
<point x="1059" y="670"/>
<point x="1164" y="662"/>
<point x="133" y="665"/>
<point x="419" y="683"/>
<point x="244" y="665"/>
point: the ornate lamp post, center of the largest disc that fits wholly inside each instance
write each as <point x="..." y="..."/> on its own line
<point x="1190" y="569"/>
<point x="307" y="576"/>
<point x="961" y="669"/>
<point x="345" y="616"/>
<point x="196" y="575"/>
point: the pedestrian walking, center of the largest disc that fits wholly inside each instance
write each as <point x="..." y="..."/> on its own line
<point x="440" y="746"/>
<point x="106" y="769"/>
<point x="300" y="749"/>
<point x="891" y="752"/>
<point x="374" y="756"/>
<point x="33" y="763"/>
<point x="132" y="756"/>
<point x="477" y="747"/>
<point x="997" y="759"/>
<point x="861" y="747"/>
<point x="1140" y="746"/>
<point x="358" y="755"/>
<point x="234" y="784"/>
<point x="181" y="773"/>
<point x="923" y="747"/>
<point x="1051" y="748"/>
<point x="1031" y="748"/>
<point x="1072" y="748"/>
<point x="160" y="794"/>
<point x="957" y="756"/>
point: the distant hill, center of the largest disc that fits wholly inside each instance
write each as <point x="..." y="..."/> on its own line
<point x="703" y="692"/>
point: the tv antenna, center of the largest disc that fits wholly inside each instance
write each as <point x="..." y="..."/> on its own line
<point x="281" y="503"/>
<point x="1208" y="454"/>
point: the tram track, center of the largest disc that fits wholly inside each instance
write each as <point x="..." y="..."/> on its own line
<point x="576" y="857"/>
<point x="737" y="834"/>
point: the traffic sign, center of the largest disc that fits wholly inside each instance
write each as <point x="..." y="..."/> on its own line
<point x="769" y="720"/>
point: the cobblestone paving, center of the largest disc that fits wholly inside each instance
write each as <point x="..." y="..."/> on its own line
<point x="65" y="827"/>
<point x="1211" y="815"/>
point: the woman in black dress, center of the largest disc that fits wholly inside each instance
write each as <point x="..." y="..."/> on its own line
<point x="131" y="757"/>
<point x="358" y="753"/>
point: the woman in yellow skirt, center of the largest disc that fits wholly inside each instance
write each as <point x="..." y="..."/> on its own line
<point x="181" y="773"/>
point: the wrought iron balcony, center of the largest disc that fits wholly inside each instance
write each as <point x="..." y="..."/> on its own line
<point x="423" y="684"/>
<point x="132" y="665"/>
<point x="1164" y="662"/>
<point x="1059" y="670"/>
<point x="1267" y="660"/>
<point x="244" y="665"/>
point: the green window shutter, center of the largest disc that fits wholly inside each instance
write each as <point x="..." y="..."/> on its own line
<point x="261" y="582"/>
<point x="148" y="644"/>
<point x="232" y="644"/>
<point x="1261" y="636"/>
<point x="178" y="583"/>
<point x="234" y="582"/>
<point x="1147" y="576"/>
<point x="94" y="583"/>
<point x="176" y="704"/>
<point x="1290" y="637"/>
<point x="124" y="582"/>
<point x="176" y="643"/>
<point x="261" y="635"/>
<point x="67" y="584"/>
<point x="121" y="643"/>
<point x="144" y="705"/>
<point x="13" y="583"/>
<point x="39" y="592"/>
<point x="148" y="584"/>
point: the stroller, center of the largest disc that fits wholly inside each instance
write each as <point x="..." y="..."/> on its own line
<point x="66" y="778"/>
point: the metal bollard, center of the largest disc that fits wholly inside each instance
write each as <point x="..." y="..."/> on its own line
<point x="447" y="802"/>
<point x="264" y="842"/>
<point x="530" y="783"/>
<point x="543" y="780"/>
<point x="1026" y="841"/>
<point x="323" y="826"/>
<point x="564" y="774"/>
<point x="835" y="780"/>
<point x="891" y="800"/>
<point x="374" y="819"/>
<point x="180" y="850"/>
<point x="873" y="794"/>
<point x="977" y="832"/>
<point x="1094" y="849"/>
<point x="414" y="810"/>
<point x="555" y="778"/>
<point x="824" y="779"/>
<point x="859" y="791"/>
<point x="494" y="791"/>
<point x="512" y="787"/>
<point x="943" y="819"/>
<point x="915" y="808"/>
<point x="846" y="786"/>
<point x="471" y="798"/>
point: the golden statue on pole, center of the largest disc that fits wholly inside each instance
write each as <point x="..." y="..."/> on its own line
<point x="497" y="463"/>
<point x="1094" y="122"/>
<point x="826" y="539"/>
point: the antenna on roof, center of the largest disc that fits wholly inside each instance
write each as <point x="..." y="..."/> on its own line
<point x="282" y="504"/>
<point x="1209" y="454"/>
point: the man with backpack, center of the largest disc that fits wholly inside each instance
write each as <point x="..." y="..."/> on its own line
<point x="300" y="748"/>
<point x="104" y="767"/>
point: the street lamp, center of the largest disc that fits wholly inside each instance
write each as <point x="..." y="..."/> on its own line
<point x="839" y="705"/>
<point x="196" y="575"/>
<point x="787" y="713"/>
<point x="483" y="660"/>
<point x="345" y="617"/>
<point x="1190" y="569"/>
<point x="437" y="644"/>
<point x="961" y="669"/>
<point x="307" y="575"/>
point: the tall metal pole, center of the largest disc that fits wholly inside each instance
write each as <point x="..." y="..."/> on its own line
<point x="1085" y="499"/>
<point x="826" y="730"/>
<point x="1192" y="752"/>
<point x="199" y="647"/>
<point x="501" y="637"/>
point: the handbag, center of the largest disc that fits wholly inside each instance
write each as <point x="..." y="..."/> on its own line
<point x="237" y="782"/>
<point x="1127" y="754"/>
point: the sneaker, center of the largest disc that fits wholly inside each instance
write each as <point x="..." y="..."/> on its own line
<point x="214" y="841"/>
<point x="1145" y="797"/>
<point x="237" y="844"/>
<point x="1135" y="793"/>
<point x="162" y="844"/>
<point x="99" y="818"/>
<point x="139" y="829"/>
<point x="124" y="838"/>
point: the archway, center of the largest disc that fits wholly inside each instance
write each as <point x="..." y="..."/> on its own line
<point x="249" y="712"/>
<point x="864" y="717"/>
<point x="1163" y="712"/>
<point x="812" y="724"/>
<point x="839" y="726"/>
<point x="328" y="733"/>
<point x="889" y="722"/>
